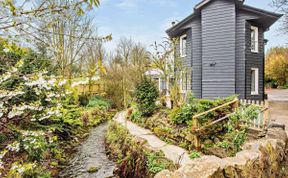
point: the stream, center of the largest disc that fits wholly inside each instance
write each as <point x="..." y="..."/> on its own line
<point x="91" y="160"/>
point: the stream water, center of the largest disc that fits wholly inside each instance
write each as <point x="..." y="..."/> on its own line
<point x="91" y="155"/>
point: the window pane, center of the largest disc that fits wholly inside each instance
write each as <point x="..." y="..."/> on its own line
<point x="254" y="39"/>
<point x="189" y="80"/>
<point x="253" y="81"/>
<point x="253" y="45"/>
<point x="163" y="84"/>
<point x="184" y="81"/>
<point x="183" y="46"/>
<point x="253" y="35"/>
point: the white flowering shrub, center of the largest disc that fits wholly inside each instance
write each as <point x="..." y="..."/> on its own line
<point x="33" y="112"/>
<point x="35" y="144"/>
<point x="39" y="115"/>
<point x="19" y="170"/>
<point x="36" y="96"/>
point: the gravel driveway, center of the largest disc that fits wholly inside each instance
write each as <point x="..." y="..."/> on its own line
<point x="278" y="106"/>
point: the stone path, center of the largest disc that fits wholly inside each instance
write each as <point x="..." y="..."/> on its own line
<point x="174" y="153"/>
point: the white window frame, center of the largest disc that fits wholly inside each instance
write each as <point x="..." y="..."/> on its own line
<point x="183" y="77"/>
<point x="256" y="41"/>
<point x="256" y="92"/>
<point x="185" y="86"/>
<point x="181" y="46"/>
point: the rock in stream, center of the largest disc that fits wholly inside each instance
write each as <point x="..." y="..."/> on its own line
<point x="91" y="160"/>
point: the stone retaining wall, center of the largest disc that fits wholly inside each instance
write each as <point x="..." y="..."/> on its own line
<point x="260" y="158"/>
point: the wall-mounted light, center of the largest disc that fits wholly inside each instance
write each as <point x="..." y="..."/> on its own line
<point x="213" y="64"/>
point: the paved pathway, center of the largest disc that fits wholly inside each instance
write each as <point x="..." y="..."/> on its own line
<point x="174" y="153"/>
<point x="278" y="106"/>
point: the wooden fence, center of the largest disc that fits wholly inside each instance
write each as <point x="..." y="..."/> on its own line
<point x="95" y="88"/>
<point x="263" y="118"/>
<point x="260" y="123"/>
<point x="196" y="124"/>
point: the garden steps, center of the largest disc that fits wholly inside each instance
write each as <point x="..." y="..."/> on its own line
<point x="174" y="153"/>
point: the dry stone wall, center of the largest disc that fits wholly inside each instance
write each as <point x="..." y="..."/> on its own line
<point x="263" y="158"/>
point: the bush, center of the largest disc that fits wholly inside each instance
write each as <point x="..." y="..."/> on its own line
<point x="270" y="83"/>
<point x="135" y="116"/>
<point x="130" y="158"/>
<point x="156" y="162"/>
<point x="186" y="112"/>
<point x="35" y="144"/>
<point x="3" y="138"/>
<point x="236" y="131"/>
<point x="99" y="102"/>
<point x="27" y="170"/>
<point x="146" y="94"/>
<point x="194" y="106"/>
<point x="83" y="100"/>
<point x="163" y="101"/>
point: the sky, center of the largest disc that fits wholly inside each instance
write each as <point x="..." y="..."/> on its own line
<point x="145" y="21"/>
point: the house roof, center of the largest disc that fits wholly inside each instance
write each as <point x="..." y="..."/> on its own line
<point x="205" y="2"/>
<point x="268" y="17"/>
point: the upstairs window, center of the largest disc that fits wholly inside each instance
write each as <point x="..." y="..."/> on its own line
<point x="254" y="81"/>
<point x="183" y="45"/>
<point x="254" y="39"/>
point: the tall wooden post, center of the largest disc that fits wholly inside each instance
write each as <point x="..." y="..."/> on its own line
<point x="196" y="124"/>
<point x="266" y="113"/>
<point x="236" y="104"/>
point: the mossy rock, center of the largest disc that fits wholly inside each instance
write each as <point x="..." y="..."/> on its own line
<point x="219" y="152"/>
<point x="92" y="170"/>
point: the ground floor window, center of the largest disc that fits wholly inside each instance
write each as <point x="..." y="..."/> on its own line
<point x="162" y="84"/>
<point x="186" y="79"/>
<point x="183" y="81"/>
<point x="254" y="81"/>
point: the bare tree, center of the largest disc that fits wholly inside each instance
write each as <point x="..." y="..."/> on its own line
<point x="282" y="6"/>
<point x="125" y="69"/>
<point x="165" y="58"/>
<point x="19" y="13"/>
<point x="59" y="27"/>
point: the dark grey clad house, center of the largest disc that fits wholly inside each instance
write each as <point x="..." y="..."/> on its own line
<point x="222" y="43"/>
